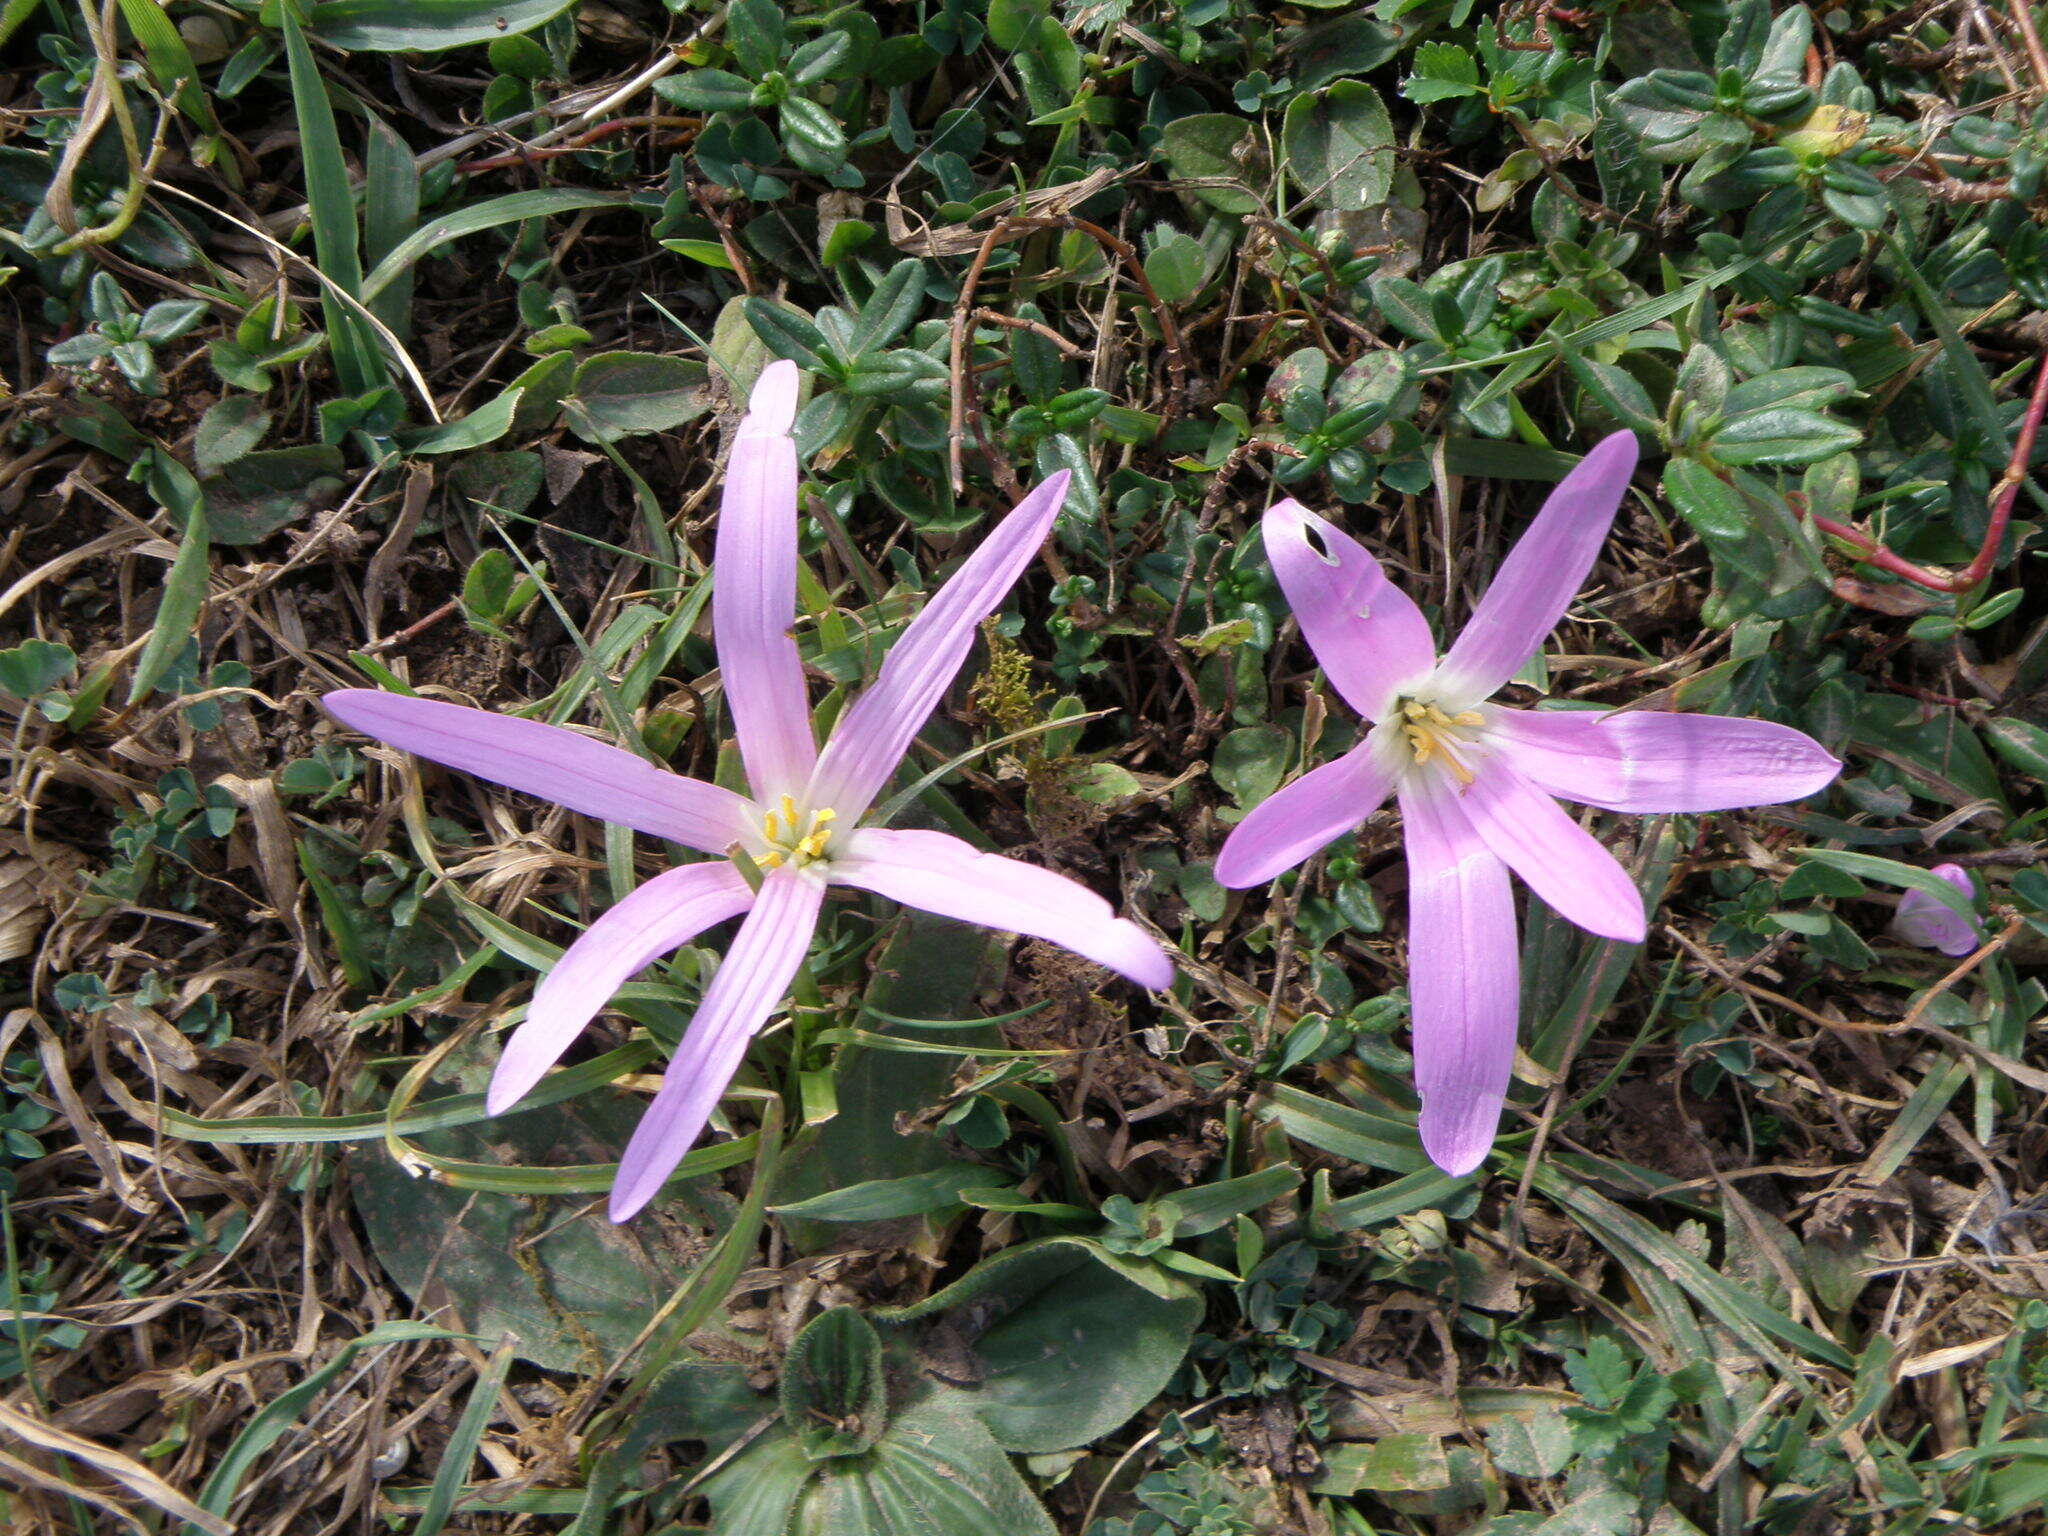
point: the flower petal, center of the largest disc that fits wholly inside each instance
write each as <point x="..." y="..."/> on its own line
<point x="1561" y="861"/>
<point x="546" y="760"/>
<point x="935" y="872"/>
<point x="1649" y="761"/>
<point x="878" y="728"/>
<point x="771" y="944"/>
<point x="1366" y="632"/>
<point x="753" y="594"/>
<point x="664" y="914"/>
<point x="1463" y="976"/>
<point x="1541" y="574"/>
<point x="1924" y="921"/>
<point x="1294" y="822"/>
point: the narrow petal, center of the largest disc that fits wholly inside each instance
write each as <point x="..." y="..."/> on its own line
<point x="664" y="914"/>
<point x="771" y="944"/>
<point x="1463" y="977"/>
<point x="1561" y="861"/>
<point x="1307" y="815"/>
<point x="1542" y="573"/>
<point x="1366" y="632"/>
<point x="938" y="873"/>
<point x="1924" y="921"/>
<point x="546" y="760"/>
<point x="1649" y="762"/>
<point x="881" y="724"/>
<point x="753" y="596"/>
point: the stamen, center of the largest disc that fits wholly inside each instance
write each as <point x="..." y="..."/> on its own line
<point x="1431" y="733"/>
<point x="796" y="837"/>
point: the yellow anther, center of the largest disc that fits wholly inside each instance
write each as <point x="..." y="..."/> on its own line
<point x="1432" y="733"/>
<point x="795" y="837"/>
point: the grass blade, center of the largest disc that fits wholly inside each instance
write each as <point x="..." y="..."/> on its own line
<point x="278" y="1415"/>
<point x="461" y="1448"/>
<point x="330" y="201"/>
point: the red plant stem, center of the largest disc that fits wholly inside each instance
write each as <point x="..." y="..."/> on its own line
<point x="2007" y="492"/>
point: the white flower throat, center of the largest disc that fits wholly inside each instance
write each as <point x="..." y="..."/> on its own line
<point x="1434" y="735"/>
<point x="796" y="837"/>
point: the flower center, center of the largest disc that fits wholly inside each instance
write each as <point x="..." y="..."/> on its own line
<point x="796" y="837"/>
<point x="1433" y="734"/>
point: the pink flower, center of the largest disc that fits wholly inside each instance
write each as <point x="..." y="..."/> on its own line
<point x="1923" y="920"/>
<point x="802" y="824"/>
<point x="1475" y="779"/>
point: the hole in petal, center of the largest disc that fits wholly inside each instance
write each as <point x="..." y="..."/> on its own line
<point x="1312" y="536"/>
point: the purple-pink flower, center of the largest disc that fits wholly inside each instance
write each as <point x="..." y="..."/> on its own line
<point x="1475" y="779"/>
<point x="801" y="827"/>
<point x="1925" y="921"/>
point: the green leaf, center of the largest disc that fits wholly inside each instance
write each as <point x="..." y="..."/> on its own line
<point x="1209" y="1206"/>
<point x="913" y="1194"/>
<point x="617" y="394"/>
<point x="424" y="26"/>
<point x="391" y="211"/>
<point x="1809" y="389"/>
<point x="261" y="492"/>
<point x="1349" y="45"/>
<point x="757" y="34"/>
<point x="1082" y="1340"/>
<point x="488" y="587"/>
<point x="486" y="424"/>
<point x="491" y="213"/>
<point x="1362" y="1136"/>
<point x="1250" y="762"/>
<point x="1781" y="435"/>
<point x="2022" y="744"/>
<point x="227" y="431"/>
<point x="1204" y="147"/>
<point x="35" y="666"/>
<point x="709" y="252"/>
<point x="1443" y="71"/>
<point x="1339" y="146"/>
<point x="1713" y="506"/>
<point x="1536" y="1446"/>
<point x="707" y="90"/>
<point x="1615" y="392"/>
<point x="1406" y="306"/>
<point x="168" y="58"/>
<point x="890" y="308"/>
<point x="177" y="614"/>
<point x="331" y="203"/>
<point x="550" y="1270"/>
<point x="1176" y="267"/>
<point x="937" y="1471"/>
<point x="834" y="1394"/>
<point x="932" y="969"/>
<point x="790" y="334"/>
